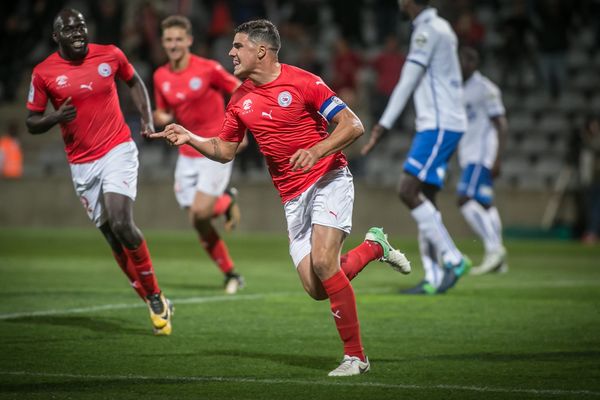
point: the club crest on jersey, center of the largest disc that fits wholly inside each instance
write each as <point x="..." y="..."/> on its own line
<point x="104" y="70"/>
<point x="247" y="104"/>
<point x="62" y="81"/>
<point x="284" y="99"/>
<point x="195" y="83"/>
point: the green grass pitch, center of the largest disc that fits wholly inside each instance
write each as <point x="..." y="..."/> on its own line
<point x="71" y="328"/>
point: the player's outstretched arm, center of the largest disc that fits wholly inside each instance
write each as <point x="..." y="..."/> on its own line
<point x="213" y="148"/>
<point x="501" y="125"/>
<point x="348" y="129"/>
<point x="38" y="123"/>
<point x="139" y="93"/>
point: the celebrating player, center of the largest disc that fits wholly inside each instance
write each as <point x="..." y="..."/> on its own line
<point x="287" y="109"/>
<point x="79" y="80"/>
<point x="432" y="71"/>
<point x="479" y="155"/>
<point x="188" y="89"/>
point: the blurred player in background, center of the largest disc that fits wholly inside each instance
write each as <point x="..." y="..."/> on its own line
<point x="287" y="109"/>
<point x="189" y="89"/>
<point x="432" y="71"/>
<point x="479" y="156"/>
<point x="80" y="81"/>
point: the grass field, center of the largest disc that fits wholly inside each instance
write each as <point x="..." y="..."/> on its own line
<point x="71" y="328"/>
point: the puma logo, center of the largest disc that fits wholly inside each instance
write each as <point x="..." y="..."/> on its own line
<point x="88" y="86"/>
<point x="265" y="114"/>
<point x="319" y="83"/>
<point x="332" y="213"/>
<point x="336" y="314"/>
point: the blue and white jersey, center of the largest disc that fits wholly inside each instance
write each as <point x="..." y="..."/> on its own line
<point x="483" y="101"/>
<point x="439" y="96"/>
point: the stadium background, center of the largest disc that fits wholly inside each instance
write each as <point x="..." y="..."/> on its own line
<point x="542" y="53"/>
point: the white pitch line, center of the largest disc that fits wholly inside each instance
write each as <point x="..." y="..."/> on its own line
<point x="82" y="310"/>
<point x="332" y="382"/>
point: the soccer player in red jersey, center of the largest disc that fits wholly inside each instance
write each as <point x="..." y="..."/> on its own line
<point x="287" y="109"/>
<point x="189" y="89"/>
<point x="79" y="80"/>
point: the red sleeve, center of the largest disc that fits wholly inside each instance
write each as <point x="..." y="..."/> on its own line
<point x="38" y="97"/>
<point x="316" y="92"/>
<point x="233" y="129"/>
<point x="159" y="100"/>
<point x="223" y="80"/>
<point x="125" y="70"/>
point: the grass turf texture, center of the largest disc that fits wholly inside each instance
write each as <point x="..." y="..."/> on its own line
<point x="532" y="333"/>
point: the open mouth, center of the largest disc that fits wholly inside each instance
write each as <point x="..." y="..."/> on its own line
<point x="78" y="44"/>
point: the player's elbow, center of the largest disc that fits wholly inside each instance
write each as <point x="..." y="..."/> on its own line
<point x="357" y="128"/>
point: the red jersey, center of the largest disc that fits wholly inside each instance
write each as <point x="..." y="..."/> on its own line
<point x="285" y="115"/>
<point x="195" y="96"/>
<point x="99" y="125"/>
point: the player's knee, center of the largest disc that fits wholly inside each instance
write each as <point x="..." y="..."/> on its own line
<point x="462" y="200"/>
<point x="315" y="292"/>
<point x="122" y="228"/>
<point x="201" y="214"/>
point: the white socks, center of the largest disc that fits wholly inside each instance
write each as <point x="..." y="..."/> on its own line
<point x="430" y="224"/>
<point x="433" y="271"/>
<point x="485" y="223"/>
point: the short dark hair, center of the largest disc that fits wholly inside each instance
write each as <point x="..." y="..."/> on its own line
<point x="422" y="2"/>
<point x="177" y="21"/>
<point x="261" y="30"/>
<point x="59" y="19"/>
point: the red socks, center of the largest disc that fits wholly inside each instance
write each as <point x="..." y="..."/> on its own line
<point x="221" y="205"/>
<point x="140" y="258"/>
<point x="343" y="308"/>
<point x="356" y="259"/>
<point x="217" y="250"/>
<point x="129" y="270"/>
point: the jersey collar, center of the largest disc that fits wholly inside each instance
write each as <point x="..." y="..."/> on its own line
<point x="424" y="15"/>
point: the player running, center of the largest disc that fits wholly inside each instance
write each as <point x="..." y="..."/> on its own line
<point x="480" y="155"/>
<point x="432" y="72"/>
<point x="79" y="80"/>
<point x="287" y="109"/>
<point x="189" y="89"/>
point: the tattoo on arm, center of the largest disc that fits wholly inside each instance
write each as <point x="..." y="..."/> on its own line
<point x="216" y="148"/>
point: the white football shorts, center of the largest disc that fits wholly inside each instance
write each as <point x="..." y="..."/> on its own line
<point x="328" y="202"/>
<point x="199" y="174"/>
<point x="115" y="172"/>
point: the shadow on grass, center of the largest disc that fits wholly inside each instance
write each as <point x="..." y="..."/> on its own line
<point x="101" y="325"/>
<point x="295" y="360"/>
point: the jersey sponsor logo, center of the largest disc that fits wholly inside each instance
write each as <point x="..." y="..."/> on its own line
<point x="104" y="70"/>
<point x="268" y="114"/>
<point x="62" y="81"/>
<point x="195" y="83"/>
<point x="180" y="96"/>
<point x="166" y="87"/>
<point x="88" y="86"/>
<point x="284" y="99"/>
<point x="31" y="94"/>
<point x="247" y="104"/>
